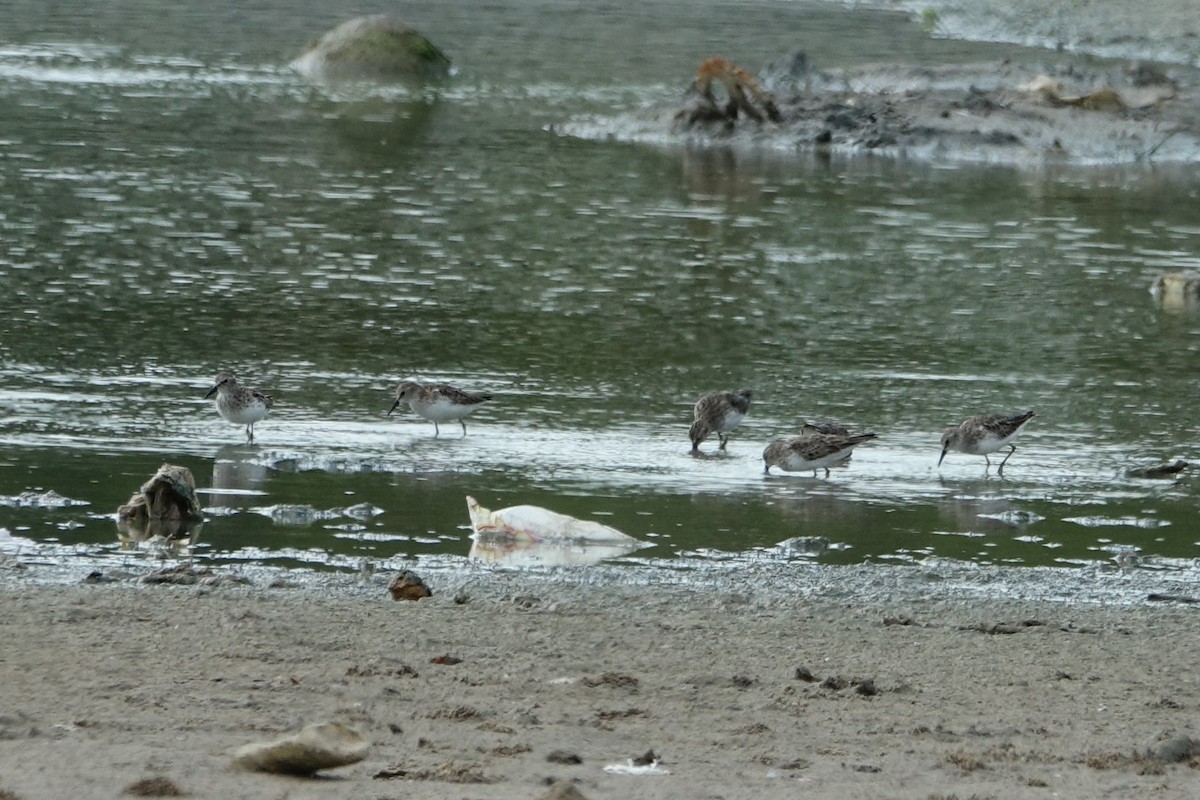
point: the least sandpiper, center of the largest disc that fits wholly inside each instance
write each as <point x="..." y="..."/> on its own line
<point x="719" y="412"/>
<point x="986" y="433"/>
<point x="238" y="404"/>
<point x="439" y="402"/>
<point x="824" y="426"/>
<point x="811" y="451"/>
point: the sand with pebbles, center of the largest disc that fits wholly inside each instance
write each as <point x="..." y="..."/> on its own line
<point x="798" y="681"/>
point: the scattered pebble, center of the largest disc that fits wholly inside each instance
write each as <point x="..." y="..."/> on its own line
<point x="612" y="679"/>
<point x="312" y="749"/>
<point x="562" y="790"/>
<point x="805" y="674"/>
<point x="1168" y="470"/>
<point x="1175" y="749"/>
<point x="154" y="787"/>
<point x="408" y="585"/>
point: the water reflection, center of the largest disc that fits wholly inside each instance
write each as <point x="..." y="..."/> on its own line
<point x="173" y="538"/>
<point x="238" y="477"/>
<point x="380" y="132"/>
<point x="339" y="243"/>
<point x="512" y="551"/>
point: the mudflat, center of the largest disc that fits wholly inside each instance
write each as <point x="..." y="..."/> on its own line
<point x="809" y="682"/>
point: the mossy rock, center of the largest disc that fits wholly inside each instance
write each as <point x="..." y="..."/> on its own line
<point x="374" y="48"/>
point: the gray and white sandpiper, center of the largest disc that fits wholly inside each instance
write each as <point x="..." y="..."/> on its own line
<point x="824" y="426"/>
<point x="719" y="413"/>
<point x="439" y="402"/>
<point x="812" y="451"/>
<point x="239" y="404"/>
<point x="983" y="434"/>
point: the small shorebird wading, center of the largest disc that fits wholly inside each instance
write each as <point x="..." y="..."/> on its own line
<point x="824" y="426"/>
<point x="718" y="413"/>
<point x="240" y="405"/>
<point x="811" y="451"/>
<point x="986" y="433"/>
<point x="439" y="402"/>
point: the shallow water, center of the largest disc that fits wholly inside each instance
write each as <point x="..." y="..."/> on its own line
<point x="176" y="203"/>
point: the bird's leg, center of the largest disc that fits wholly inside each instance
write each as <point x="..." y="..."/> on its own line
<point x="989" y="464"/>
<point x="460" y="422"/>
<point x="724" y="440"/>
<point x="827" y="472"/>
<point x="250" y="432"/>
<point x="1012" y="449"/>
<point x="436" y="430"/>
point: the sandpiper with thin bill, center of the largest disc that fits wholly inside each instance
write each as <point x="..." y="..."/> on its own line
<point x="719" y="413"/>
<point x="983" y="434"/>
<point x="239" y="404"/>
<point x="812" y="451"/>
<point x="439" y="402"/>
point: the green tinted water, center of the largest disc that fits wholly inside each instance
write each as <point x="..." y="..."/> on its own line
<point x="175" y="203"/>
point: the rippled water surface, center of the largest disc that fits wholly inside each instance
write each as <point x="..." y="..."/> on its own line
<point x="175" y="203"/>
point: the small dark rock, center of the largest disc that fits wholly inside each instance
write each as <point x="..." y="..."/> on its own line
<point x="866" y="687"/>
<point x="805" y="674"/>
<point x="182" y="575"/>
<point x="1155" y="597"/>
<point x="408" y="585"/>
<point x="563" y="757"/>
<point x="1176" y="749"/>
<point x="154" y="787"/>
<point x="562" y="790"/>
<point x="1159" y="471"/>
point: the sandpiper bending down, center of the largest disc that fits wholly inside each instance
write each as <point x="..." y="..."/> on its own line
<point x="986" y="433"/>
<point x="811" y="451"/>
<point x="240" y="405"/>
<point x="439" y="402"/>
<point x="718" y="413"/>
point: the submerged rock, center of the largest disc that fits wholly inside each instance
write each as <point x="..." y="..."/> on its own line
<point x="312" y="749"/>
<point x="1003" y="112"/>
<point x="377" y="48"/>
<point x="1170" y="469"/>
<point x="1176" y="289"/>
<point x="48" y="499"/>
<point x="166" y="506"/>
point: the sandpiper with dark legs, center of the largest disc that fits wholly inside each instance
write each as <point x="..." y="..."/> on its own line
<point x="238" y="404"/>
<point x="983" y="434"/>
<point x="439" y="402"/>
<point x="812" y="451"/>
<point x="718" y="413"/>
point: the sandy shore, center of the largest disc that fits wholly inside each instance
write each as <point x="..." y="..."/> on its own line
<point x="916" y="692"/>
<point x="926" y="683"/>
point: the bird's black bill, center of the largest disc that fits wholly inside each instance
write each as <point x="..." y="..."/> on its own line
<point x="212" y="391"/>
<point x="944" y="449"/>
<point x="395" y="405"/>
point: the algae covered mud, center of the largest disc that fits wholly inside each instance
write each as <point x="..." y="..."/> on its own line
<point x="178" y="203"/>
